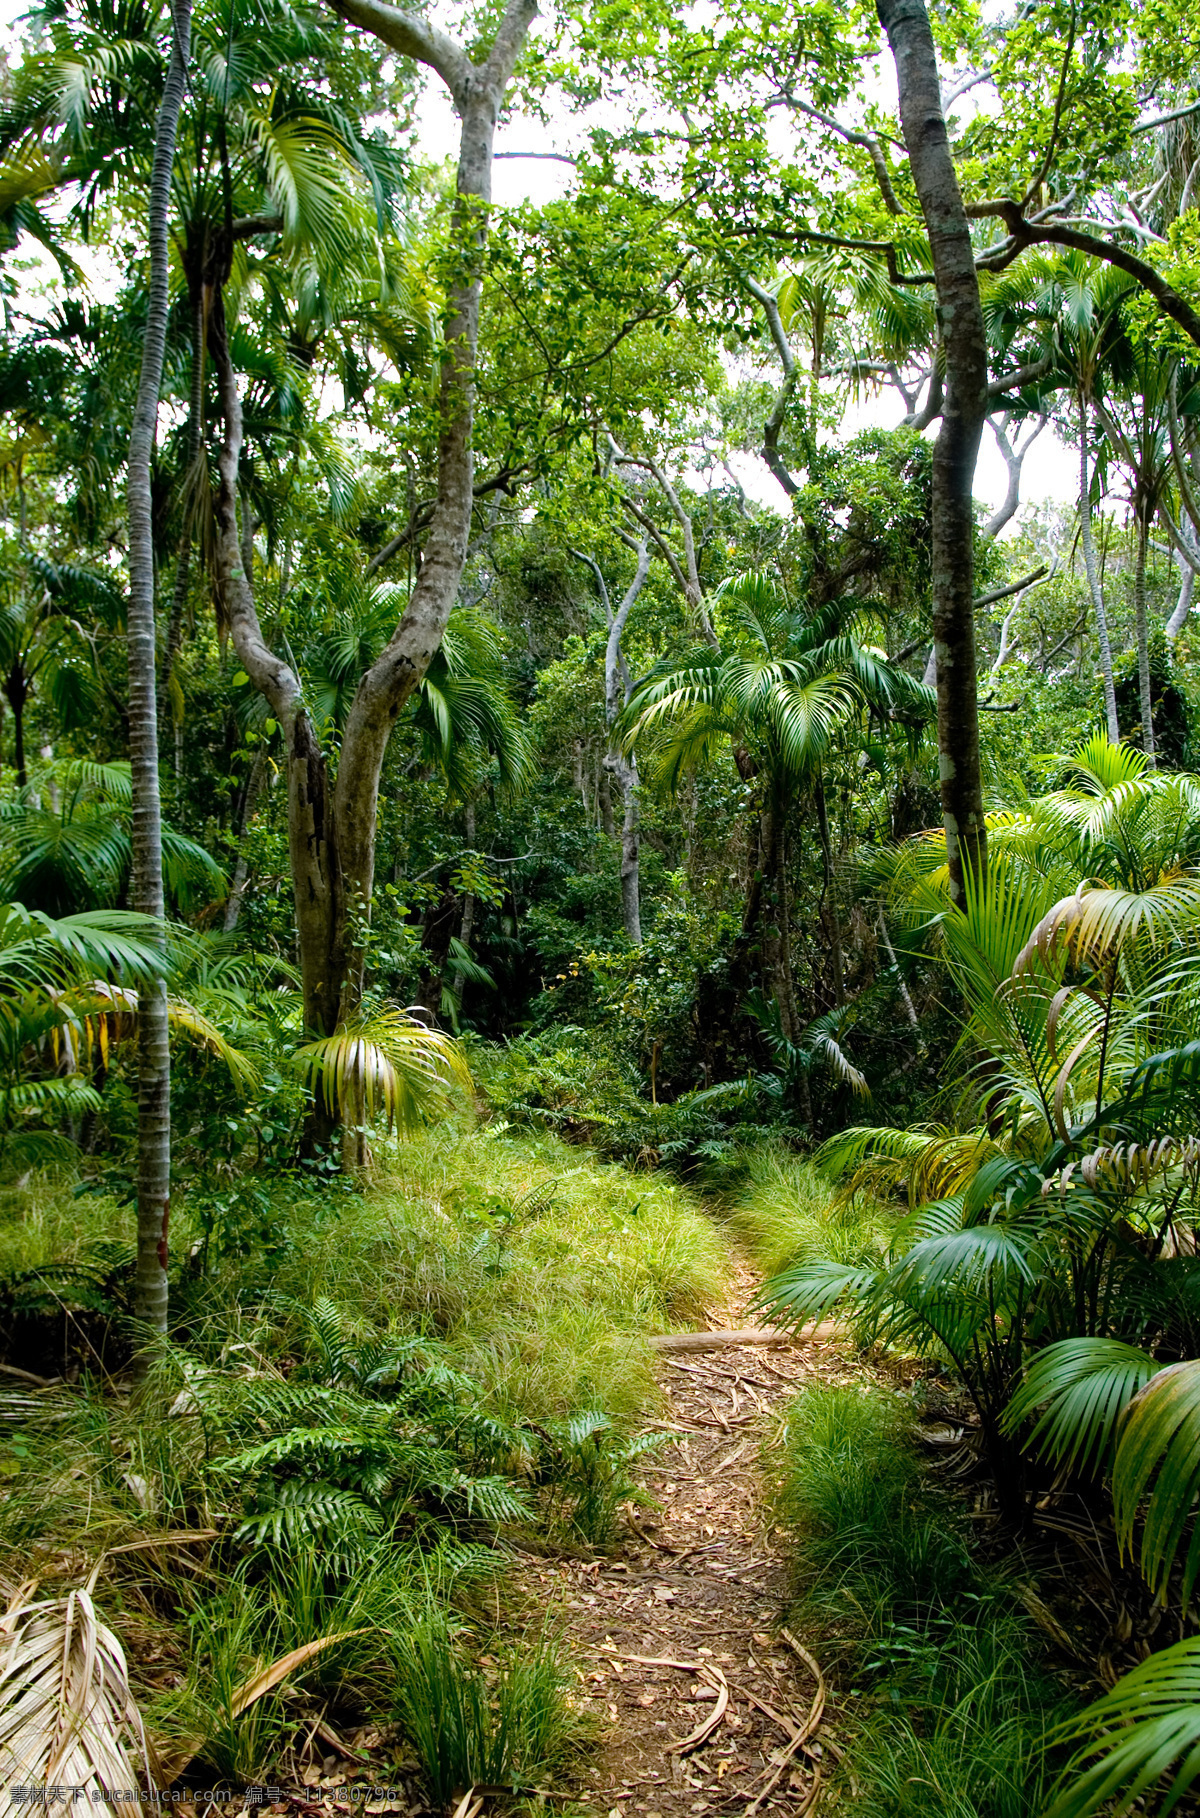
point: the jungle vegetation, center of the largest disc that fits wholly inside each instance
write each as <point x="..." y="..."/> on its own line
<point x="524" y="764"/>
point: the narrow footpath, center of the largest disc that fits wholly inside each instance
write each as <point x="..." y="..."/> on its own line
<point x="703" y="1702"/>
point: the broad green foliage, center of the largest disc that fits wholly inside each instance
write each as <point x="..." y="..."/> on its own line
<point x="385" y="1063"/>
<point x="1143" y="1732"/>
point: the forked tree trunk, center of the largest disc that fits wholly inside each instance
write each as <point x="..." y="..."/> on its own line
<point x="312" y="846"/>
<point x="331" y="828"/>
<point x="154" y="1053"/>
<point x="478" y="92"/>
<point x="954" y="454"/>
<point x="1095" y="585"/>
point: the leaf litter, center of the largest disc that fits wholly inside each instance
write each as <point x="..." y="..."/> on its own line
<point x="703" y="1703"/>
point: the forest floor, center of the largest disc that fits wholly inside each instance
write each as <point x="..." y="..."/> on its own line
<point x="697" y="1698"/>
<point x="702" y="1701"/>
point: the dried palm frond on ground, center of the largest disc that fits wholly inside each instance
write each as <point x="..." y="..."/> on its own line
<point x="67" y="1717"/>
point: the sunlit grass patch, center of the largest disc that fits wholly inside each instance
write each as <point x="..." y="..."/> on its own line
<point x="543" y="1271"/>
<point x="780" y="1209"/>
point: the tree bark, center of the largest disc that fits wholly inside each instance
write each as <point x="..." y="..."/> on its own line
<point x="769" y="891"/>
<point x="16" y="691"/>
<point x="183" y="565"/>
<point x="1095" y="586"/>
<point x="467" y="926"/>
<point x="331" y="830"/>
<point x="241" y="870"/>
<point x="312" y="842"/>
<point x="618" y="687"/>
<point x="1145" y="694"/>
<point x="1183" y="605"/>
<point x="154" y="1054"/>
<point x="960" y="320"/>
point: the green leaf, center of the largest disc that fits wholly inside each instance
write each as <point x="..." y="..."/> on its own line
<point x="1143" y="1734"/>
<point x="1158" y="1450"/>
<point x="1083" y="1387"/>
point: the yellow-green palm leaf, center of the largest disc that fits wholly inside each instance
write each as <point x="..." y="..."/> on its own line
<point x="386" y="1063"/>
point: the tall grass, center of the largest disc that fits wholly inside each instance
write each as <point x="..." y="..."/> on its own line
<point x="780" y="1209"/>
<point x="947" y="1672"/>
<point x="542" y="1270"/>
<point x="506" y="1724"/>
<point x="519" y="1278"/>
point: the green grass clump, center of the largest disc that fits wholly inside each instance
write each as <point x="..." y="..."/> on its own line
<point x="780" y="1209"/>
<point x="940" y="1659"/>
<point x="542" y="1271"/>
<point x="360" y="1390"/>
<point x="507" y="1722"/>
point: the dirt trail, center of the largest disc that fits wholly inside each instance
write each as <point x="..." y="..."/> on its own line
<point x="703" y="1586"/>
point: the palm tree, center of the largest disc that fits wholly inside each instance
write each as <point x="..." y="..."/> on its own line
<point x="43" y="646"/>
<point x="1049" y="1215"/>
<point x="59" y="976"/>
<point x="1134" y="413"/>
<point x="1086" y="298"/>
<point x="782" y="688"/>
<point x="154" y="1049"/>
<point x="70" y="849"/>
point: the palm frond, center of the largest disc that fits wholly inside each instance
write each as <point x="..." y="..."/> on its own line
<point x="1158" y="1452"/>
<point x="387" y="1062"/>
<point x="1140" y="1741"/>
<point x="809" y="1290"/>
<point x="1099" y="919"/>
<point x="1079" y="1388"/>
<point x="67" y="1716"/>
<point x="930" y="1163"/>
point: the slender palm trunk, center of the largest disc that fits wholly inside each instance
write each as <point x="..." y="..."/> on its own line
<point x="183" y="564"/>
<point x="1095" y="587"/>
<point x="768" y="903"/>
<point x="1145" y="695"/>
<point x="829" y="895"/>
<point x="154" y="1054"/>
<point x="16" y="692"/>
<point x="956" y="450"/>
<point x="467" y="925"/>
<point x="789" y="1016"/>
<point x="241" y="869"/>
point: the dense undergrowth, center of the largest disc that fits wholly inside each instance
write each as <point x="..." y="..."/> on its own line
<point x="947" y="1679"/>
<point x="344" y="1431"/>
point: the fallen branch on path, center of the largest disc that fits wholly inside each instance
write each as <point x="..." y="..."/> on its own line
<point x="801" y="1736"/>
<point x="745" y="1335"/>
<point x="712" y="1675"/>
